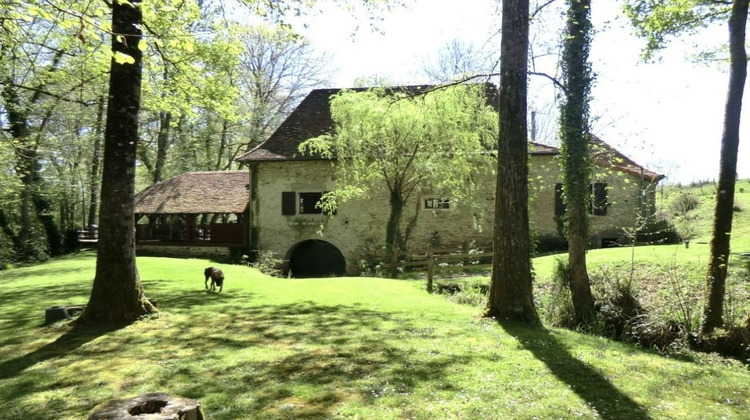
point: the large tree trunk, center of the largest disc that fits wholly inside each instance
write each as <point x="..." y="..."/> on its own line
<point x="575" y="145"/>
<point x="713" y="311"/>
<point x="117" y="295"/>
<point x="510" y="295"/>
<point x="95" y="163"/>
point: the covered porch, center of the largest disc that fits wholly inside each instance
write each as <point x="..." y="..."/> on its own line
<point x="207" y="209"/>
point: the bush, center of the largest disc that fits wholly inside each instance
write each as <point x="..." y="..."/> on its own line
<point x="265" y="262"/>
<point x="658" y="231"/>
<point x="618" y="309"/>
<point x="550" y="244"/>
<point x="685" y="202"/>
<point x="557" y="310"/>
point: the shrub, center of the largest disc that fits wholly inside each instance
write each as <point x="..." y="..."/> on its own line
<point x="658" y="231"/>
<point x="266" y="263"/>
<point x="618" y="309"/>
<point x="685" y="202"/>
<point x="557" y="309"/>
<point x="473" y="296"/>
<point x="550" y="244"/>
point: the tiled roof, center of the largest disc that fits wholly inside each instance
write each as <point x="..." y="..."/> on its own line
<point x="312" y="118"/>
<point x="604" y="155"/>
<point x="215" y="192"/>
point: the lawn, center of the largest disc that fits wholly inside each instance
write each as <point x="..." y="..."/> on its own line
<point x="348" y="348"/>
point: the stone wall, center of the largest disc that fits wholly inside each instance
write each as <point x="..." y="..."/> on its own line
<point x="358" y="228"/>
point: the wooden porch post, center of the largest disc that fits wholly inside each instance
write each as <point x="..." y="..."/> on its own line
<point x="189" y="224"/>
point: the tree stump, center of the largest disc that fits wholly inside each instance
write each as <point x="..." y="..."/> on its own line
<point x="55" y="313"/>
<point x="151" y="406"/>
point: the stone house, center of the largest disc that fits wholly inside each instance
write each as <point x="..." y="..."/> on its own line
<point x="285" y="186"/>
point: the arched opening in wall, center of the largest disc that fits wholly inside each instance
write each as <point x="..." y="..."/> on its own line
<point x="316" y="258"/>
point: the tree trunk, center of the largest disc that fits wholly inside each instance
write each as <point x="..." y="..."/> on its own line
<point x="117" y="295"/>
<point x="19" y="130"/>
<point x="713" y="311"/>
<point x="575" y="149"/>
<point x="511" y="294"/>
<point x="95" y="163"/>
<point x="162" y="145"/>
<point x="392" y="232"/>
<point x="223" y="140"/>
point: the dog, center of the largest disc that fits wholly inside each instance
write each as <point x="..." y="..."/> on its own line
<point x="216" y="276"/>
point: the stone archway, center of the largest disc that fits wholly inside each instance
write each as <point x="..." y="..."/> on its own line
<point x="316" y="258"/>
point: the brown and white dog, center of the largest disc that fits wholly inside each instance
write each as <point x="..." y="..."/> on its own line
<point x="216" y="276"/>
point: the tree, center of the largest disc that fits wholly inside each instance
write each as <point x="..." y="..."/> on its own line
<point x="574" y="134"/>
<point x="511" y="291"/>
<point x="117" y="295"/>
<point x="656" y="21"/>
<point x="275" y="71"/>
<point x="405" y="143"/>
<point x="713" y="310"/>
<point x="458" y="60"/>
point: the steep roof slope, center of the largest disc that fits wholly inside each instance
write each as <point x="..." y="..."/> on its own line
<point x="196" y="193"/>
<point x="312" y="118"/>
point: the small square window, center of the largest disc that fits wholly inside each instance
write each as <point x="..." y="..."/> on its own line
<point x="437" y="203"/>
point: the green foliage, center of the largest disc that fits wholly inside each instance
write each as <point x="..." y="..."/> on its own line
<point x="657" y="21"/>
<point x="266" y="262"/>
<point x="556" y="303"/>
<point x="550" y="243"/>
<point x="387" y="139"/>
<point x="657" y="231"/>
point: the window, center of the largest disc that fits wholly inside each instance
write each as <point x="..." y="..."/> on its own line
<point x="599" y="199"/>
<point x="308" y="203"/>
<point x="437" y="203"/>
<point x="597" y="206"/>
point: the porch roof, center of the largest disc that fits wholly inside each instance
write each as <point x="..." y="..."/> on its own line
<point x="196" y="193"/>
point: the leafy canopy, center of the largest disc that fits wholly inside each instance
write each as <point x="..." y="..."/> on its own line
<point x="438" y="142"/>
<point x="657" y="20"/>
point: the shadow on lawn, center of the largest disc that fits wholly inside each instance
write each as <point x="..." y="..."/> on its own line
<point x="67" y="343"/>
<point x="583" y="379"/>
<point x="310" y="359"/>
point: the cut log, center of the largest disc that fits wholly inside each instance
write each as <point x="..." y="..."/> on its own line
<point x="151" y="406"/>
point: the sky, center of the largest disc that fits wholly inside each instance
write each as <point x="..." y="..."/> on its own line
<point x="666" y="115"/>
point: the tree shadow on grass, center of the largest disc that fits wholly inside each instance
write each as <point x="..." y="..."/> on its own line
<point x="67" y="343"/>
<point x="584" y="380"/>
<point x="341" y="352"/>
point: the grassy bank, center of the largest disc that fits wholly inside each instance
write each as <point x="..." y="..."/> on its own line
<point x="330" y="348"/>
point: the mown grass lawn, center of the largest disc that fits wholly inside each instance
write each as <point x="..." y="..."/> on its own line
<point x="344" y="348"/>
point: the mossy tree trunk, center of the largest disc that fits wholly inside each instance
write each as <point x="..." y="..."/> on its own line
<point x="393" y="229"/>
<point x="713" y="310"/>
<point x="511" y="293"/>
<point x="574" y="130"/>
<point x="117" y="294"/>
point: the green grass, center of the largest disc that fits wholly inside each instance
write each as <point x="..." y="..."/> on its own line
<point x="348" y="348"/>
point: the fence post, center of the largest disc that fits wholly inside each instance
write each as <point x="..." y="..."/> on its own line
<point x="430" y="269"/>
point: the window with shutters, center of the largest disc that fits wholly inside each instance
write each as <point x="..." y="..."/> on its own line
<point x="597" y="206"/>
<point x="599" y="202"/>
